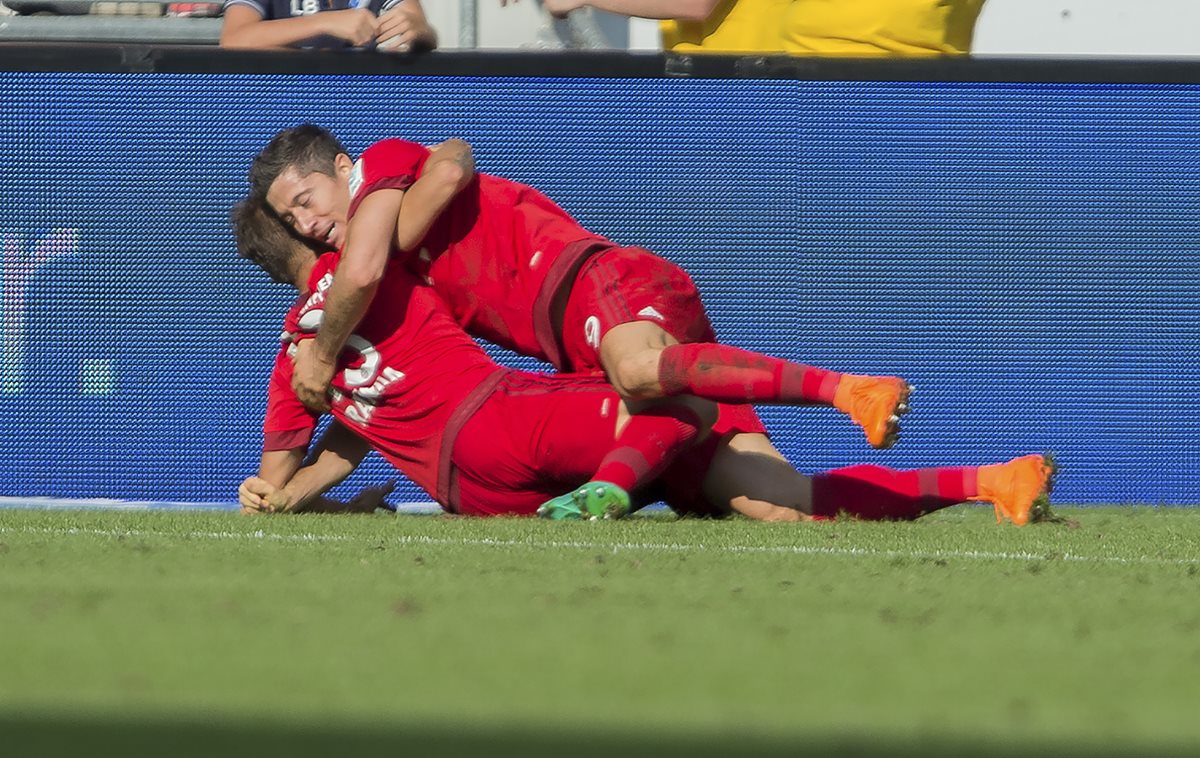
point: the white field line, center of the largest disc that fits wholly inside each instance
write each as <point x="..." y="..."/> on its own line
<point x="108" y="504"/>
<point x="259" y="535"/>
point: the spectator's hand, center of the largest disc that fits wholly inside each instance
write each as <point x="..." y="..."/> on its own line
<point x="312" y="376"/>
<point x="560" y="8"/>
<point x="355" y="25"/>
<point x="405" y="28"/>
<point x="253" y="494"/>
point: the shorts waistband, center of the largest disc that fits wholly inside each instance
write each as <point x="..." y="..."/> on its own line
<point x="565" y="268"/>
<point x="447" y="493"/>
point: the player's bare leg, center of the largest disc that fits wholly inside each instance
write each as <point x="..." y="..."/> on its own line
<point x="751" y="477"/>
<point x="630" y="354"/>
<point x="642" y="360"/>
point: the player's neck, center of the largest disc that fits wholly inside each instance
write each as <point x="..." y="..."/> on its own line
<point x="303" y="273"/>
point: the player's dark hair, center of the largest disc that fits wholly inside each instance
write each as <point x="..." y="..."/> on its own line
<point x="308" y="148"/>
<point x="263" y="240"/>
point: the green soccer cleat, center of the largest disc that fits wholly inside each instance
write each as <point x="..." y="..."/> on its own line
<point x="592" y="501"/>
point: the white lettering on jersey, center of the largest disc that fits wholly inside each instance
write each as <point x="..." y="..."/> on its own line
<point x="305" y="7"/>
<point x="312" y="312"/>
<point x="364" y="400"/>
<point x="360" y="412"/>
<point x="387" y="377"/>
<point x="365" y="373"/>
<point x="310" y="322"/>
<point x="368" y="381"/>
<point x="651" y="312"/>
<point x="591" y="332"/>
<point x="535" y="259"/>
<point x="356" y="174"/>
<point x="605" y="407"/>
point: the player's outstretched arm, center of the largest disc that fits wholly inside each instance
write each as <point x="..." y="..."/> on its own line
<point x="275" y="469"/>
<point x="244" y="27"/>
<point x="337" y="455"/>
<point x="447" y="172"/>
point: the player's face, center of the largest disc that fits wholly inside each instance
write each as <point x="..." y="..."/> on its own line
<point x="315" y="204"/>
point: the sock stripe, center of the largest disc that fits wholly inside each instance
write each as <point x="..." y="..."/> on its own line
<point x="728" y="374"/>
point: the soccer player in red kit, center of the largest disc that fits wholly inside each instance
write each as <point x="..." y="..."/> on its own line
<point x="486" y="440"/>
<point x="480" y="439"/>
<point x="518" y="270"/>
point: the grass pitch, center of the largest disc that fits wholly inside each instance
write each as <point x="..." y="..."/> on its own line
<point x="212" y="633"/>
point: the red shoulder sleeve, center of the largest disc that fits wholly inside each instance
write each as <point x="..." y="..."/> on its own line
<point x="287" y="423"/>
<point x="388" y="164"/>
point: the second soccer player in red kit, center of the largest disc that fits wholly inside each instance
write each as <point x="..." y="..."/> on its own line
<point x="518" y="270"/>
<point x="486" y="440"/>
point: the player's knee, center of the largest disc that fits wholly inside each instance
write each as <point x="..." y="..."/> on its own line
<point x="635" y="376"/>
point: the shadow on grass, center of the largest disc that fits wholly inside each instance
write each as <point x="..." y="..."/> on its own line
<point x="48" y="735"/>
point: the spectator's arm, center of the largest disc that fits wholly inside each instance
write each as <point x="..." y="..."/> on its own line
<point x="684" y="10"/>
<point x="449" y="169"/>
<point x="244" y="27"/>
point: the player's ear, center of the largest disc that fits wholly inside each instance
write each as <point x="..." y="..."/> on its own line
<point x="342" y="165"/>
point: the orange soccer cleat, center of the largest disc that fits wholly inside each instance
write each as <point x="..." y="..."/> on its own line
<point x="1019" y="490"/>
<point x="875" y="403"/>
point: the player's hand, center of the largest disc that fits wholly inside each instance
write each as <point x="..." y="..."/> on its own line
<point x="312" y="376"/>
<point x="370" y="498"/>
<point x="354" y="25"/>
<point x="279" y="501"/>
<point x="405" y="28"/>
<point x="560" y="8"/>
<point x="253" y="493"/>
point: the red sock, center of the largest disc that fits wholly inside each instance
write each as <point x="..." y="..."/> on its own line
<point x="732" y="375"/>
<point x="876" y="493"/>
<point x="648" y="444"/>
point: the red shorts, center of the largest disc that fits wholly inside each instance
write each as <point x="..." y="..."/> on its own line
<point x="536" y="437"/>
<point x="681" y="486"/>
<point x="626" y="284"/>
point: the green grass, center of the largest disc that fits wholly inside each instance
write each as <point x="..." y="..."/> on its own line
<point x="223" y="634"/>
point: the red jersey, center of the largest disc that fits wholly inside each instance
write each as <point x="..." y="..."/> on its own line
<point x="498" y="255"/>
<point x="408" y="378"/>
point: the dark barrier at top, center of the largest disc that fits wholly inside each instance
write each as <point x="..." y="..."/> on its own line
<point x="1025" y="252"/>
